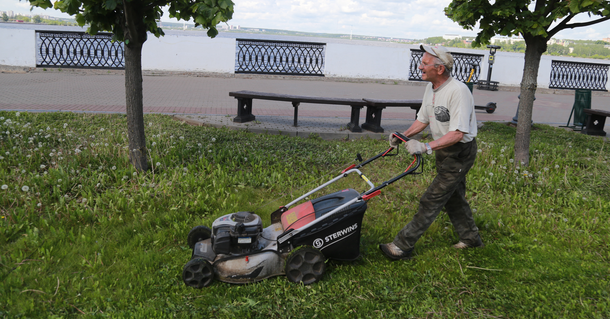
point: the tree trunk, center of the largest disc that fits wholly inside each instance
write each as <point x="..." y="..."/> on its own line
<point x="135" y="105"/>
<point x="534" y="47"/>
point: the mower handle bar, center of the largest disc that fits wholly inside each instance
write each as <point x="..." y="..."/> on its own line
<point x="372" y="192"/>
<point x="355" y="169"/>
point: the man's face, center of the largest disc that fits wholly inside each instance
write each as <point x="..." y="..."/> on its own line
<point x="430" y="71"/>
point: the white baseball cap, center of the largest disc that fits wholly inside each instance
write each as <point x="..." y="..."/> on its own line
<point x="441" y="53"/>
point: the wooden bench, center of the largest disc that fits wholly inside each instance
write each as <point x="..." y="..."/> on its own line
<point x="374" y="107"/>
<point x="595" y="122"/>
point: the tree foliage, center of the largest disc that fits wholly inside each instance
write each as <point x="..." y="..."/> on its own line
<point x="109" y="15"/>
<point x="516" y="17"/>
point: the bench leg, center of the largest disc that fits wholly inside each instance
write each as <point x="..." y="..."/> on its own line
<point x="595" y="125"/>
<point x="353" y="125"/>
<point x="296" y="112"/>
<point x="244" y="111"/>
<point x="373" y="119"/>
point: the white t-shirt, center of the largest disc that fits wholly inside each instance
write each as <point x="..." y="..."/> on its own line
<point x="450" y="107"/>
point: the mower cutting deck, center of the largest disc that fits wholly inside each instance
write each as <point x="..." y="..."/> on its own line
<point x="237" y="249"/>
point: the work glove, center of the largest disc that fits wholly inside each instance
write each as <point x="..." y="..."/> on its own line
<point x="394" y="141"/>
<point x="415" y="147"/>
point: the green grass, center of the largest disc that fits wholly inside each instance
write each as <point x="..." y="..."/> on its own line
<point x="82" y="234"/>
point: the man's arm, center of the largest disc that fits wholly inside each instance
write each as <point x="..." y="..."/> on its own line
<point x="447" y="140"/>
<point x="415" y="128"/>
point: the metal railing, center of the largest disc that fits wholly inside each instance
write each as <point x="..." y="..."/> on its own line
<point x="78" y="50"/>
<point x="578" y="75"/>
<point x="463" y="63"/>
<point x="279" y="57"/>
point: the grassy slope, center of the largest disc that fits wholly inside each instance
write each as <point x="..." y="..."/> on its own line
<point x="90" y="237"/>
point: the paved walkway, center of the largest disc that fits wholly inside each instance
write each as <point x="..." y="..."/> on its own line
<point x="204" y="99"/>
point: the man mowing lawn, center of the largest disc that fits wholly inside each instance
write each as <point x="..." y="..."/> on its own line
<point x="448" y="108"/>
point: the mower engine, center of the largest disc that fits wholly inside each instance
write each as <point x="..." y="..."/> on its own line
<point x="236" y="233"/>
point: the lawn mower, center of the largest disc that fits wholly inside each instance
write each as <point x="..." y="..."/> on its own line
<point x="237" y="249"/>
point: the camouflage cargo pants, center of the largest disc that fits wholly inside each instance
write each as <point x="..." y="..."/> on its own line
<point x="448" y="189"/>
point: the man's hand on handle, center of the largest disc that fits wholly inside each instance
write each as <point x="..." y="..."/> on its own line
<point x="394" y="141"/>
<point x="416" y="147"/>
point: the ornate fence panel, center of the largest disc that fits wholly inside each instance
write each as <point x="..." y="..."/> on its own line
<point x="578" y="75"/>
<point x="78" y="50"/>
<point x="463" y="63"/>
<point x="279" y="57"/>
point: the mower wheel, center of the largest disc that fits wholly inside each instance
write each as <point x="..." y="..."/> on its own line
<point x="305" y="264"/>
<point x="198" y="233"/>
<point x="198" y="273"/>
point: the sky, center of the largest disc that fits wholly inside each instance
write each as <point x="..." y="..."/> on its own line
<point x="411" y="19"/>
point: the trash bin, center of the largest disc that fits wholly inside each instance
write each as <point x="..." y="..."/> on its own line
<point x="469" y="85"/>
<point x="582" y="100"/>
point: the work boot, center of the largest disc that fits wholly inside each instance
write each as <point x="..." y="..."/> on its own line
<point x="463" y="245"/>
<point x="393" y="252"/>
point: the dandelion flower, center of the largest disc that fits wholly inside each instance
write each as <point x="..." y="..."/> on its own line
<point x="39" y="204"/>
<point x="113" y="168"/>
<point x="25" y="188"/>
<point x="158" y="164"/>
<point x="213" y="139"/>
<point x="4" y="186"/>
